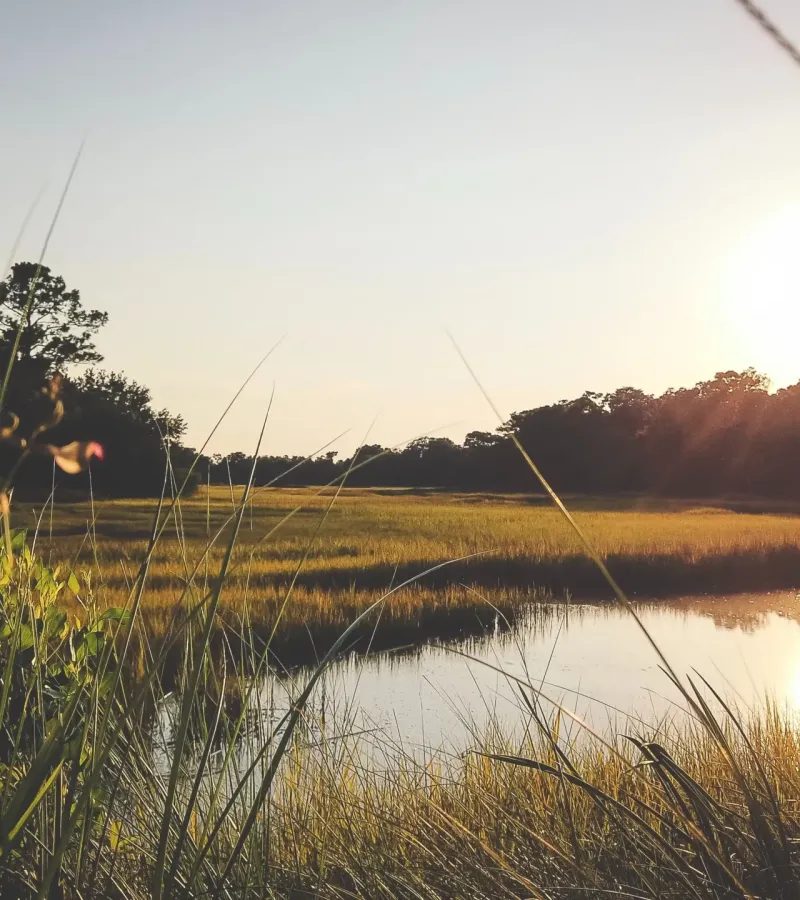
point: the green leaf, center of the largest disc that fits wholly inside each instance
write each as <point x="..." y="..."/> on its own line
<point x="106" y="684"/>
<point x="25" y="637"/>
<point x="116" y="614"/>
<point x="91" y="644"/>
<point x="73" y="584"/>
<point x="55" y="619"/>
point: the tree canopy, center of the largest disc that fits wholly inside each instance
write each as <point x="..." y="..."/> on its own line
<point x="726" y="435"/>
<point x="53" y="332"/>
<point x="57" y="330"/>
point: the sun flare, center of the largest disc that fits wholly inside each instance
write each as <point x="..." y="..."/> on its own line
<point x="765" y="295"/>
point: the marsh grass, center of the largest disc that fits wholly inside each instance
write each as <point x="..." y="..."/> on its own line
<point x="546" y="816"/>
<point x="513" y="549"/>
<point x="659" y="815"/>
<point x="186" y="782"/>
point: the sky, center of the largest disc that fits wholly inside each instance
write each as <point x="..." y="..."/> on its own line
<point x="585" y="193"/>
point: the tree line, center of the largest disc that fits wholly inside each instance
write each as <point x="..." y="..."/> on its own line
<point x="727" y="435"/>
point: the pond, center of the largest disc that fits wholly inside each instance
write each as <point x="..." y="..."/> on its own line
<point x="591" y="658"/>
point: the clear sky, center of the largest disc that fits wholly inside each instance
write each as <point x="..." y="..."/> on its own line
<point x="587" y="193"/>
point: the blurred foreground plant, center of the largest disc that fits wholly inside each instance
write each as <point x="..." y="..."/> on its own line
<point x="44" y="412"/>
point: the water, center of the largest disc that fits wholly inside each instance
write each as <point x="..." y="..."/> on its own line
<point x="591" y="658"/>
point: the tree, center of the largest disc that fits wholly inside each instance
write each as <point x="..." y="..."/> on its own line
<point x="48" y="330"/>
<point x="116" y="411"/>
<point x="480" y="440"/>
<point x="115" y="389"/>
<point x="57" y="330"/>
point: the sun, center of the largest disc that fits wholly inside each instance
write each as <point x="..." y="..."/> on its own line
<point x="764" y="296"/>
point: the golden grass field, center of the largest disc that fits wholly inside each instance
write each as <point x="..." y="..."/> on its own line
<point x="484" y="828"/>
<point x="706" y="809"/>
<point x="340" y="556"/>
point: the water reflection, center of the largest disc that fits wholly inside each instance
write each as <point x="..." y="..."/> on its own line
<point x="592" y="658"/>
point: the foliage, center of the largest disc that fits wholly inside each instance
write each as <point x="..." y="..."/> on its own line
<point x="40" y="639"/>
<point x="58" y="330"/>
<point x="53" y="333"/>
<point x="58" y="669"/>
<point x="113" y="390"/>
<point x="728" y="435"/>
<point x="118" y="413"/>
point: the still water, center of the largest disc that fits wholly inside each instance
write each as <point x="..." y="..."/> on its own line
<point x="592" y="659"/>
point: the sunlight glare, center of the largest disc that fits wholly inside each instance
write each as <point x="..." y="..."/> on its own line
<point x="765" y="296"/>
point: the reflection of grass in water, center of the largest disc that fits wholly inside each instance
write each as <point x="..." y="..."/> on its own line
<point x="409" y="618"/>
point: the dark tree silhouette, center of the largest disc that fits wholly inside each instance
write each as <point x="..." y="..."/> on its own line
<point x="106" y="407"/>
<point x="58" y="331"/>
<point x="116" y="411"/>
<point x="117" y="390"/>
<point x="727" y="435"/>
